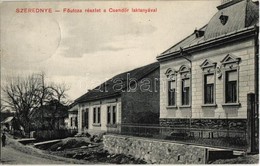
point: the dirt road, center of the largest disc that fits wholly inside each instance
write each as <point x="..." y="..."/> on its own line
<point x="16" y="153"/>
<point x="13" y="156"/>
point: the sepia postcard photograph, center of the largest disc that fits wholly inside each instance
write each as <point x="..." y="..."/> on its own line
<point x="129" y="82"/>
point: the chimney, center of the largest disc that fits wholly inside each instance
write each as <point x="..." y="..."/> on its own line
<point x="227" y="3"/>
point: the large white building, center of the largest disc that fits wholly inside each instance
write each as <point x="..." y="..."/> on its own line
<point x="206" y="77"/>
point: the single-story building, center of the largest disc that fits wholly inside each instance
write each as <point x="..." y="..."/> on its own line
<point x="7" y="124"/>
<point x="72" y="120"/>
<point x="127" y="98"/>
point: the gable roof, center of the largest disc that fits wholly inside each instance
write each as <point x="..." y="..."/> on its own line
<point x="107" y="89"/>
<point x="7" y="120"/>
<point x="242" y="14"/>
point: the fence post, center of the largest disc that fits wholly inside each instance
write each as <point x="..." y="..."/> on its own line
<point x="252" y="124"/>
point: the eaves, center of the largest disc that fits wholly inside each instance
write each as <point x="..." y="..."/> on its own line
<point x="220" y="40"/>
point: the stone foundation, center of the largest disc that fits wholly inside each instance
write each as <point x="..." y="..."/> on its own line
<point x="155" y="151"/>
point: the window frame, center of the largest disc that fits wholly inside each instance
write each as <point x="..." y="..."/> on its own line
<point x="185" y="74"/>
<point x="230" y="63"/>
<point x="71" y="121"/>
<point x="225" y="86"/>
<point x="112" y="116"/>
<point x="174" y="93"/>
<point x="86" y="117"/>
<point x="171" y="76"/>
<point x="96" y="116"/>
<point x="208" y="68"/>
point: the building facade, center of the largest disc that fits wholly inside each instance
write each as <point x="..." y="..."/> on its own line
<point x="72" y="120"/>
<point x="206" y="77"/>
<point x="130" y="97"/>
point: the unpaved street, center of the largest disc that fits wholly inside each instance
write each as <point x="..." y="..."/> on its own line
<point x="13" y="156"/>
<point x="16" y="153"/>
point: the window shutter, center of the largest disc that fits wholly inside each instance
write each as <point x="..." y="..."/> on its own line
<point x="172" y="84"/>
<point x="210" y="79"/>
<point x="186" y="83"/>
<point x="232" y="76"/>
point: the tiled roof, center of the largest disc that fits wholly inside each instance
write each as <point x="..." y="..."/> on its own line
<point x="107" y="89"/>
<point x="241" y="15"/>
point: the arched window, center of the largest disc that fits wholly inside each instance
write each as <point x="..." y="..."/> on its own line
<point x="171" y="86"/>
<point x="185" y="85"/>
<point x="209" y="82"/>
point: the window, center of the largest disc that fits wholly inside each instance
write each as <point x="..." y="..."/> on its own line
<point x="171" y="76"/>
<point x="185" y="85"/>
<point x="171" y="93"/>
<point x="71" y="121"/>
<point x="209" y="89"/>
<point x="76" y="121"/>
<point x="114" y="115"/>
<point x="111" y="114"/>
<point x="230" y="65"/>
<point x="86" y="118"/>
<point x="96" y="115"/>
<point x="185" y="100"/>
<point x="98" y="120"/>
<point x="108" y="115"/>
<point x="231" y="86"/>
<point x="208" y="74"/>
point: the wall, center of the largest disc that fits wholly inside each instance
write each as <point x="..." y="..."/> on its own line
<point x="154" y="151"/>
<point x="103" y="109"/>
<point x="141" y="103"/>
<point x="242" y="49"/>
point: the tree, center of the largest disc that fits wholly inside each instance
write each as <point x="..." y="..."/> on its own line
<point x="23" y="94"/>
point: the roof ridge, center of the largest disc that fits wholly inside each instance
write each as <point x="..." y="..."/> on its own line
<point x="92" y="94"/>
<point x="148" y="72"/>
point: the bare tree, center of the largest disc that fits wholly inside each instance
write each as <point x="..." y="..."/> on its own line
<point x="27" y="93"/>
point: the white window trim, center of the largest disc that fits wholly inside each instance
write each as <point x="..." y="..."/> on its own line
<point x="185" y="73"/>
<point x="171" y="75"/>
<point x="96" y="124"/>
<point x="111" y="114"/>
<point x="230" y="63"/>
<point x="207" y="69"/>
<point x="224" y="87"/>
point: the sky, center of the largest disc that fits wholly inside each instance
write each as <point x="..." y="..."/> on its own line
<point x="84" y="49"/>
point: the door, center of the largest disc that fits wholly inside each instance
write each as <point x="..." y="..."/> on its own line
<point x="85" y="125"/>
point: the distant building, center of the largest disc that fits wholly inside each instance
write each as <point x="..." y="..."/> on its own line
<point x="130" y="97"/>
<point x="49" y="117"/>
<point x="7" y="124"/>
<point x="11" y="124"/>
<point x="207" y="76"/>
<point x="72" y="120"/>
